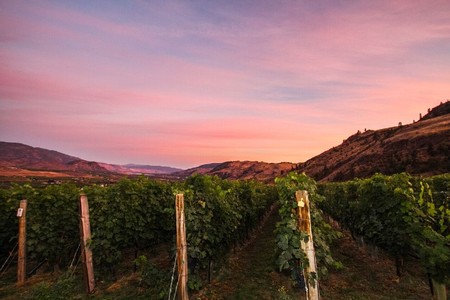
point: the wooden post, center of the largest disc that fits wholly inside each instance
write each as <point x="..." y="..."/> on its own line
<point x="304" y="220"/>
<point x="86" y="252"/>
<point x="22" y="251"/>
<point x="182" y="261"/>
<point x="439" y="289"/>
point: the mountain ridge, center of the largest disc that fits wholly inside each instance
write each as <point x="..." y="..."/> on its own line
<point x="242" y="170"/>
<point x="419" y="148"/>
<point x="25" y="157"/>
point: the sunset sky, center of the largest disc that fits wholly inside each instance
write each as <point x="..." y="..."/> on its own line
<point x="183" y="83"/>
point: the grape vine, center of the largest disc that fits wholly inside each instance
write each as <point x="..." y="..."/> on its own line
<point x="400" y="214"/>
<point x="290" y="255"/>
<point x="136" y="214"/>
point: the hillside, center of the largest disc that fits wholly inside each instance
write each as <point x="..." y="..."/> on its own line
<point x="203" y="169"/>
<point x="244" y="170"/>
<point x="25" y="161"/>
<point x="421" y="148"/>
<point x="33" y="158"/>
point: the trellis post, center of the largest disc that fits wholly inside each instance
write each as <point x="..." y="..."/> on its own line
<point x="85" y="239"/>
<point x="22" y="243"/>
<point x="182" y="261"/>
<point x="304" y="220"/>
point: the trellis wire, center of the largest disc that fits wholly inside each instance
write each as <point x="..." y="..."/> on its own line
<point x="8" y="260"/>
<point x="78" y="260"/>
<point x="173" y="273"/>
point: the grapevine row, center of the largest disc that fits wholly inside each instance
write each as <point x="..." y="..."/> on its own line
<point x="400" y="214"/>
<point x="135" y="214"/>
<point x="288" y="235"/>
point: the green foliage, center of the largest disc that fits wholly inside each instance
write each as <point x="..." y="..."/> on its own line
<point x="62" y="289"/>
<point x="130" y="214"/>
<point x="8" y="223"/>
<point x="398" y="213"/>
<point x="136" y="214"/>
<point x="152" y="278"/>
<point x="290" y="254"/>
<point x="220" y="213"/>
<point x="283" y="295"/>
<point x="432" y="226"/>
<point x="195" y="282"/>
<point x="52" y="224"/>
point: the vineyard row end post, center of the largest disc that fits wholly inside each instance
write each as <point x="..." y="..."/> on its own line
<point x="86" y="251"/>
<point x="304" y="220"/>
<point x="182" y="261"/>
<point x="22" y="243"/>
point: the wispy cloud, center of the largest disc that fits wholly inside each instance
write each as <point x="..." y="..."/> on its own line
<point x="184" y="83"/>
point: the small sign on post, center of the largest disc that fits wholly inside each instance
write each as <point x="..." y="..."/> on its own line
<point x="19" y="212"/>
<point x="86" y="252"/>
<point x="304" y="220"/>
<point x="22" y="244"/>
<point x="182" y="261"/>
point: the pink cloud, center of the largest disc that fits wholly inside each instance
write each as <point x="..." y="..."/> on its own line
<point x="184" y="87"/>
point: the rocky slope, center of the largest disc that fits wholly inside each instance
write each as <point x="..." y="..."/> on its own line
<point x="421" y="148"/>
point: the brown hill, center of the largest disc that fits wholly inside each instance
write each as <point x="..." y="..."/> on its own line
<point x="23" y="157"/>
<point x="421" y="148"/>
<point x="82" y="166"/>
<point x="203" y="169"/>
<point x="243" y="170"/>
<point x="25" y="161"/>
<point x="440" y="110"/>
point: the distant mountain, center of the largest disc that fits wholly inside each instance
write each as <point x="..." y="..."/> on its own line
<point x="242" y="170"/>
<point x="139" y="169"/>
<point x="16" y="157"/>
<point x="32" y="158"/>
<point x="421" y="148"/>
<point x="151" y="169"/>
<point x="20" y="155"/>
<point x="82" y="166"/>
<point x="203" y="169"/>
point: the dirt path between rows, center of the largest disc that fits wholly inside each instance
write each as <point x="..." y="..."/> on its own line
<point x="251" y="273"/>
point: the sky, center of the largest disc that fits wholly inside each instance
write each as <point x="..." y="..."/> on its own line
<point x="184" y="83"/>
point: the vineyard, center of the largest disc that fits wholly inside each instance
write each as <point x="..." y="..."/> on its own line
<point x="400" y="214"/>
<point x="135" y="219"/>
<point x="133" y="216"/>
